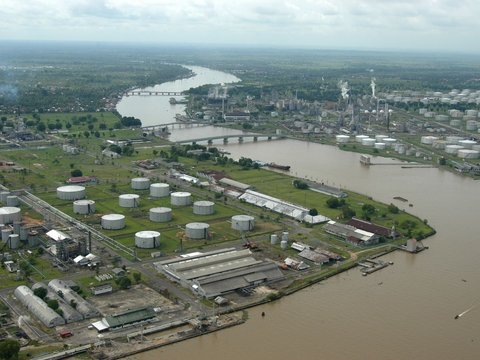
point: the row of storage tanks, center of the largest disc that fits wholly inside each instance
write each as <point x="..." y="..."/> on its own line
<point x="50" y="318"/>
<point x="456" y="118"/>
<point x="195" y="231"/>
<point x="454" y="145"/>
<point x="379" y="142"/>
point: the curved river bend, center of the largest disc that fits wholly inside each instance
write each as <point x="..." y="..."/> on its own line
<point x="405" y="311"/>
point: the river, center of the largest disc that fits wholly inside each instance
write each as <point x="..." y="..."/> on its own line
<point x="405" y="311"/>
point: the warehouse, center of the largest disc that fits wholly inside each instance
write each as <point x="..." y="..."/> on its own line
<point x="351" y="234"/>
<point x="218" y="272"/>
<point x="125" y="319"/>
<point x="83" y="307"/>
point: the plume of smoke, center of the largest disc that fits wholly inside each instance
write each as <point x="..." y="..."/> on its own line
<point x="8" y="91"/>
<point x="343" y="85"/>
<point x="372" y="85"/>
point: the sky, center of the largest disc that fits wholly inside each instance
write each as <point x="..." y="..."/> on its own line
<point x="426" y="25"/>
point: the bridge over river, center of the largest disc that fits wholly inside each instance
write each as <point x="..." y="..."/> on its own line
<point x="152" y="93"/>
<point x="225" y="138"/>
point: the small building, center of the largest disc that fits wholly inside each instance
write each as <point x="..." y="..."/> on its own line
<point x="80" y="260"/>
<point x="82" y="179"/>
<point x="233" y="183"/>
<point x="237" y="116"/>
<point x="11" y="266"/>
<point x="351" y="234"/>
<point x="118" y="272"/>
<point x="125" y="319"/>
<point x="102" y="289"/>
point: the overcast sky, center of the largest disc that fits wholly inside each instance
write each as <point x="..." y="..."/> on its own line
<point x="449" y="25"/>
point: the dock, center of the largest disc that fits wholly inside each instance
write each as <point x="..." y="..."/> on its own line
<point x="370" y="265"/>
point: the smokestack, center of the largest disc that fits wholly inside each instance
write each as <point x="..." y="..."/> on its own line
<point x="372" y="85"/>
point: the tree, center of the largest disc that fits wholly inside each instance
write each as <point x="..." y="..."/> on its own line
<point x="299" y="184"/>
<point x="52" y="304"/>
<point x="393" y="209"/>
<point x="368" y="210"/>
<point x="73" y="303"/>
<point x="41" y="127"/>
<point x="137" y="277"/>
<point x="124" y="282"/>
<point x="76" y="172"/>
<point x="41" y="292"/>
<point x="313" y="212"/>
<point x="347" y="212"/>
<point x="9" y="349"/>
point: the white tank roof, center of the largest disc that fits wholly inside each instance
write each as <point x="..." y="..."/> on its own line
<point x="113" y="217"/>
<point x="71" y="188"/>
<point x="7" y="210"/>
<point x="181" y="194"/>
<point x="129" y="196"/>
<point x="84" y="202"/>
<point x="147" y="234"/>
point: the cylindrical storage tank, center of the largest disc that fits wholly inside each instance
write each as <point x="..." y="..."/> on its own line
<point x="400" y="148"/>
<point x="140" y="183"/>
<point x="342" y="139"/>
<point x="6" y="233"/>
<point x="476" y="147"/>
<point x="181" y="198"/>
<point x="3" y="196"/>
<point x="467" y="144"/>
<point x="113" y="221"/>
<point x="273" y="239"/>
<point x="16" y="227"/>
<point x="147" y="239"/>
<point x="84" y="207"/>
<point x="13" y="241"/>
<point x="71" y="192"/>
<point x="203" y="208"/>
<point x="12" y="200"/>
<point x="471" y="112"/>
<point x="197" y="230"/>
<point x="453" y="139"/>
<point x="10" y="214"/>
<point x="455" y="122"/>
<point x="359" y="138"/>
<point x="285" y="236"/>
<point x="159" y="190"/>
<point x="284" y="244"/>
<point x="468" y="154"/>
<point x="368" y="142"/>
<point x="428" y="140"/>
<point x="33" y="239"/>
<point x="23" y="233"/>
<point x="471" y="125"/>
<point x="439" y="144"/>
<point x="380" y="138"/>
<point x="389" y="141"/>
<point x="243" y="222"/>
<point x="380" y="145"/>
<point x="160" y="214"/>
<point x="129" y="200"/>
<point x="441" y="117"/>
<point x="422" y="111"/>
<point x="452" y="149"/>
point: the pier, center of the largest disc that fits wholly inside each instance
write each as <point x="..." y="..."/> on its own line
<point x="370" y="265"/>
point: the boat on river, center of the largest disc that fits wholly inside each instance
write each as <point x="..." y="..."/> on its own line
<point x="278" y="166"/>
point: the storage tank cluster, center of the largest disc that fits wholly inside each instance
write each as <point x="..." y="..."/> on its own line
<point x="380" y="145"/>
<point x="147" y="239"/>
<point x="159" y="190"/>
<point x="368" y="142"/>
<point x="129" y="200"/>
<point x="71" y="192"/>
<point x="453" y="149"/>
<point x="243" y="222"/>
<point x="467" y="144"/>
<point x="284" y="242"/>
<point x="160" y="214"/>
<point x="10" y="214"/>
<point x="359" y="138"/>
<point x="113" y="221"/>
<point x="197" y="230"/>
<point x="203" y="208"/>
<point x="3" y="196"/>
<point x="181" y="198"/>
<point x="389" y="141"/>
<point x="468" y="154"/>
<point x="84" y="207"/>
<point x="380" y="138"/>
<point x="428" y="140"/>
<point x="140" y="183"/>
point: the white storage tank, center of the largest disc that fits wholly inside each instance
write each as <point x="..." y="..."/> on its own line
<point x="203" y="208"/>
<point x="147" y="239"/>
<point x="467" y="144"/>
<point x="389" y="141"/>
<point x="16" y="227"/>
<point x="380" y="138"/>
<point x="3" y="196"/>
<point x="71" y="192"/>
<point x="160" y="214"/>
<point x="113" y="221"/>
<point x="9" y="214"/>
<point x="380" y="145"/>
<point x="243" y="222"/>
<point x="273" y="239"/>
<point x="468" y="154"/>
<point x="5" y="234"/>
<point x="428" y="140"/>
<point x="23" y="233"/>
<point x="455" y="122"/>
<point x="285" y="236"/>
<point x="197" y="230"/>
<point x="471" y="125"/>
<point x="368" y="142"/>
<point x="159" y="190"/>
<point x="13" y="241"/>
<point x="359" y="138"/>
<point x="452" y="149"/>
<point x="453" y="139"/>
<point x="471" y="112"/>
<point x="476" y="147"/>
<point x="422" y="111"/>
<point x="342" y="139"/>
<point x="129" y="200"/>
<point x="12" y="200"/>
<point x="140" y="183"/>
<point x="400" y="148"/>
<point x="84" y="207"/>
<point x="441" y="117"/>
<point x="181" y="198"/>
<point x="439" y="144"/>
<point x="284" y="244"/>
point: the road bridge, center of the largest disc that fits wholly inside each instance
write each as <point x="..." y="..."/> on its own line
<point x="185" y="124"/>
<point x="225" y="138"/>
<point x="152" y="93"/>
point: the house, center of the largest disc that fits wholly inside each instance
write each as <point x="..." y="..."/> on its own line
<point x="11" y="266"/>
<point x="118" y="272"/>
<point x="101" y="289"/>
